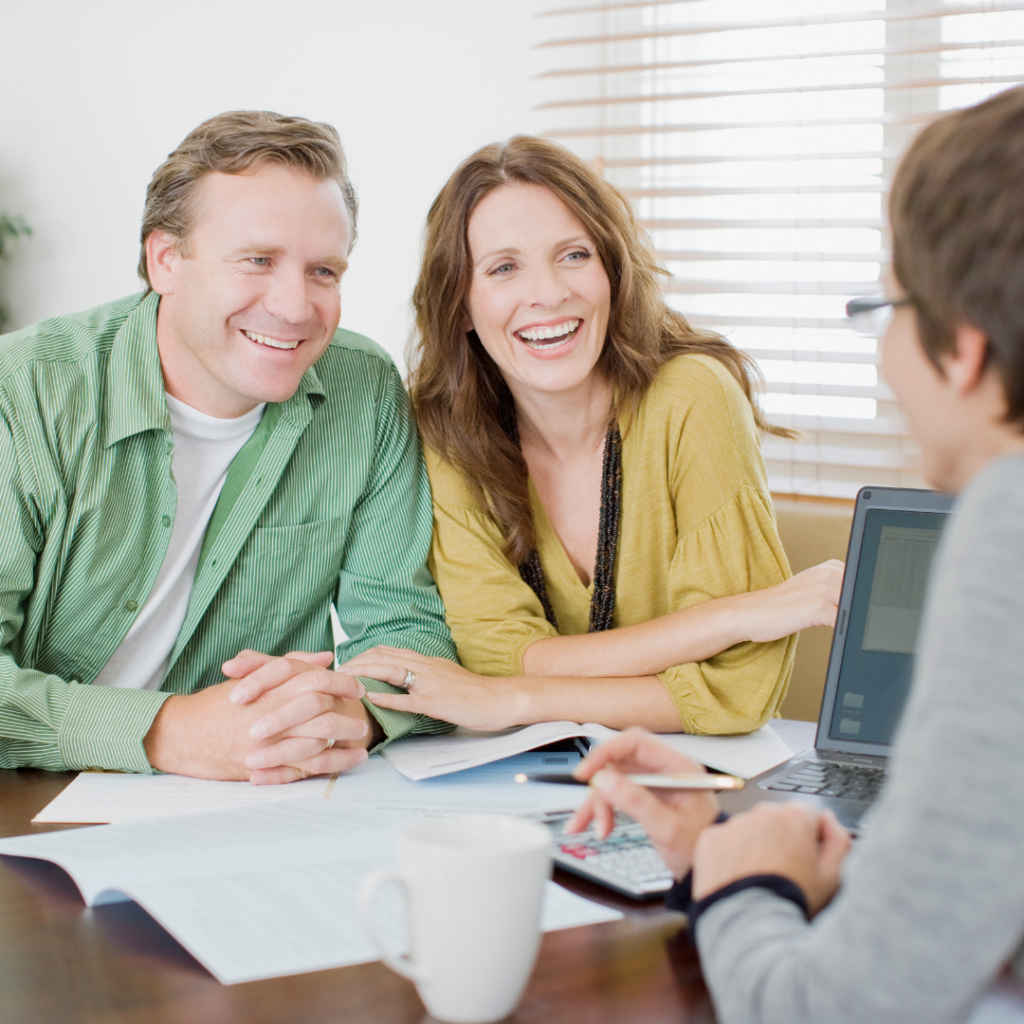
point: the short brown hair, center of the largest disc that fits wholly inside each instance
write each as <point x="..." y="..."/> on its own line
<point x="461" y="400"/>
<point x="232" y="143"/>
<point x="957" y="215"/>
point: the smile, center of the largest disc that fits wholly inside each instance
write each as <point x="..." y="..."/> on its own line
<point x="262" y="339"/>
<point x="548" y="338"/>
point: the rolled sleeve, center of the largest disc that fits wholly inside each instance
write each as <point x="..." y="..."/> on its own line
<point x="735" y="550"/>
<point x="104" y="727"/>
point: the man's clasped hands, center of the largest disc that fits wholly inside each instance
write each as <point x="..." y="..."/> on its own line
<point x="273" y="720"/>
<point x="790" y="840"/>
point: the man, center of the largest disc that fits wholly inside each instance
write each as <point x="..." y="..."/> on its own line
<point x="189" y="478"/>
<point x="931" y="907"/>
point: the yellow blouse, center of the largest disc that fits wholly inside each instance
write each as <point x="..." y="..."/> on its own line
<point x="697" y="523"/>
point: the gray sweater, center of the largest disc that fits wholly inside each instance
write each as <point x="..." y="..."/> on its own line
<point x="932" y="901"/>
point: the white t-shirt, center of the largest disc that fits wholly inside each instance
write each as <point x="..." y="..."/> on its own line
<point x="203" y="449"/>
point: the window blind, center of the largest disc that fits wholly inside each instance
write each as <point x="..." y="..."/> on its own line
<point x="757" y="143"/>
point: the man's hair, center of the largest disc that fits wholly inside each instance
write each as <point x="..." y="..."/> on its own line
<point x="233" y="143"/>
<point x="957" y="215"/>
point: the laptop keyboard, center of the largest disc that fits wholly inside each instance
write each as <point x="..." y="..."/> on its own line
<point x="850" y="781"/>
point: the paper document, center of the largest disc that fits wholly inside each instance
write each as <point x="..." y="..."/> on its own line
<point x="745" y="756"/>
<point x="798" y="736"/>
<point x="426" y="757"/>
<point x="487" y="789"/>
<point x="100" y="797"/>
<point x="255" y="892"/>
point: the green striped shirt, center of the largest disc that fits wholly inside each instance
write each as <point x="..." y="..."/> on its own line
<point x="327" y="501"/>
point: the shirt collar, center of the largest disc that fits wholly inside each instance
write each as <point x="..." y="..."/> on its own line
<point x="310" y="387"/>
<point x="134" y="398"/>
<point x="134" y="395"/>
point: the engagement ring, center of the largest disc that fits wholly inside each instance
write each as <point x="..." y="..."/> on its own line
<point x="410" y="678"/>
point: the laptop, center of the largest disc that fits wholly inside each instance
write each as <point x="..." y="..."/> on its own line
<point x="892" y="543"/>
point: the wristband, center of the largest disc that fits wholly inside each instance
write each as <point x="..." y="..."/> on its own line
<point x="680" y="896"/>
<point x="776" y="884"/>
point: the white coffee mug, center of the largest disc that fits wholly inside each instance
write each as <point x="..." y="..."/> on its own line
<point x="473" y="893"/>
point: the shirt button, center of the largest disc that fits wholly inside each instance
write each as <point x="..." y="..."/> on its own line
<point x="130" y="606"/>
<point x="166" y="520"/>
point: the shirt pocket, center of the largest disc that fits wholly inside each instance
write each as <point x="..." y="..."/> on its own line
<point x="282" y="573"/>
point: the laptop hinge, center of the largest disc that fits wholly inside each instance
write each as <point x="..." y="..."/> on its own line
<point x="844" y="757"/>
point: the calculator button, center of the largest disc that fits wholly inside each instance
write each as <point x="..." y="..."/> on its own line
<point x="626" y="856"/>
<point x="579" y="850"/>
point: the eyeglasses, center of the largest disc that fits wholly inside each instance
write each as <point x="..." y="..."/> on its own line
<point x="870" y="315"/>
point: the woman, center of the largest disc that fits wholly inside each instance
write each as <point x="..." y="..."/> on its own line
<point x="603" y="537"/>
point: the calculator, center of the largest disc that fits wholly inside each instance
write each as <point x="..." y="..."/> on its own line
<point x="625" y="861"/>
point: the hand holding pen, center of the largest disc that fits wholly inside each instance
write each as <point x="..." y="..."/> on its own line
<point x="673" y="818"/>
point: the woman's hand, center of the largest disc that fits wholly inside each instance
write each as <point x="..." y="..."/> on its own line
<point x="809" y="598"/>
<point x="673" y="818"/>
<point x="791" y="840"/>
<point x="439" y="688"/>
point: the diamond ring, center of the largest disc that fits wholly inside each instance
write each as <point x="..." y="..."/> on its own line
<point x="410" y="678"/>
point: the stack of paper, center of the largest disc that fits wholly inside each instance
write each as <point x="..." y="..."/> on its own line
<point x="257" y="892"/>
<point x="434" y="773"/>
<point x="264" y="882"/>
<point x="488" y="789"/>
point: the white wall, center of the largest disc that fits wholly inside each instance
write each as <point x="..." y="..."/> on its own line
<point x="96" y="94"/>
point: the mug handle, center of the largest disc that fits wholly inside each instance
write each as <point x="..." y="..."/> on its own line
<point x="399" y="963"/>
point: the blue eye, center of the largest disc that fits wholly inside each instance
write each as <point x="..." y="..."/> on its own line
<point x="578" y="256"/>
<point x="260" y="261"/>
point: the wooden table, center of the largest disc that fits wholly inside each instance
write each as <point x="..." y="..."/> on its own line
<point x="63" y="962"/>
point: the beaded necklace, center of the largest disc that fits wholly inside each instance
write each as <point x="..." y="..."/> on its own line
<point x="602" y="604"/>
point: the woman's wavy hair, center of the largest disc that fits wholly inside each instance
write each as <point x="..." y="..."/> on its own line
<point x="462" y="403"/>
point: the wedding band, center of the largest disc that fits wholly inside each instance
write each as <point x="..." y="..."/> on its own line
<point x="410" y="678"/>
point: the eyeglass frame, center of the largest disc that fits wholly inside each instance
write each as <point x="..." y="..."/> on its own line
<point x="870" y="314"/>
<point x="869" y="304"/>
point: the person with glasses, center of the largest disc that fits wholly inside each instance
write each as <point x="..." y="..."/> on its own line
<point x="917" y="922"/>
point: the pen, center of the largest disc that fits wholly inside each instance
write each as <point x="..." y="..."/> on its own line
<point x="672" y="780"/>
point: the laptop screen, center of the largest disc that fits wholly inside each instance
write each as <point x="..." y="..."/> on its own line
<point x="885" y="613"/>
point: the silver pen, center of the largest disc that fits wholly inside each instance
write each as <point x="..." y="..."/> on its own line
<point x="669" y="780"/>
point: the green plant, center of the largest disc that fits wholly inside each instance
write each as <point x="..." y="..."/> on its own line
<point x="11" y="228"/>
